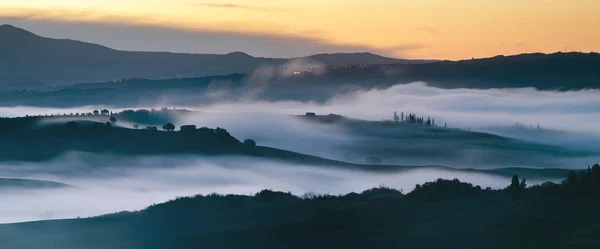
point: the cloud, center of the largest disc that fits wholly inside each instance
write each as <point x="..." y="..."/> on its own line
<point x="459" y="107"/>
<point x="408" y="47"/>
<point x="235" y="6"/>
<point x="144" y="34"/>
<point x="126" y="183"/>
<point x="431" y="31"/>
<point x="114" y="183"/>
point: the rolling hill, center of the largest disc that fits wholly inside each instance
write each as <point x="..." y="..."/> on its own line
<point x="28" y="57"/>
<point x="12" y="184"/>
<point x="443" y="214"/>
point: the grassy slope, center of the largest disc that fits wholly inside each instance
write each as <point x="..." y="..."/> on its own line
<point x="245" y="222"/>
<point x="404" y="143"/>
<point x="46" y="142"/>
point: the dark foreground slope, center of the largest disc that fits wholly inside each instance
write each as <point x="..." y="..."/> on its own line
<point x="443" y="214"/>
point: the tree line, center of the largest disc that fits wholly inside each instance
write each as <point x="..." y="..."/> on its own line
<point x="414" y="119"/>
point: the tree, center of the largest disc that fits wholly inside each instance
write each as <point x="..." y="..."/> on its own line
<point x="104" y="112"/>
<point x="169" y="127"/>
<point x="250" y="143"/>
<point x="572" y="179"/>
<point x="514" y="183"/>
<point x="523" y="184"/>
<point x="515" y="187"/>
<point x="96" y="112"/>
<point x="582" y="177"/>
<point x="108" y="125"/>
<point x="113" y="120"/>
<point x="222" y="132"/>
<point x="595" y="176"/>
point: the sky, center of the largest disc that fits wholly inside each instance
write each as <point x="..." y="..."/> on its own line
<point x="426" y="29"/>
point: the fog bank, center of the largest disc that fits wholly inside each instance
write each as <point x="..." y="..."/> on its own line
<point x="116" y="183"/>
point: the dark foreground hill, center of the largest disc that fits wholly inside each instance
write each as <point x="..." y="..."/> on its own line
<point x="441" y="214"/>
<point x="27" y="57"/>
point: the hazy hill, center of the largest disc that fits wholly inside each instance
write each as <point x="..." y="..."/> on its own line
<point x="11" y="184"/>
<point x="358" y="58"/>
<point x="419" y="144"/>
<point x="380" y="146"/>
<point x="560" y="71"/>
<point x="28" y="57"/>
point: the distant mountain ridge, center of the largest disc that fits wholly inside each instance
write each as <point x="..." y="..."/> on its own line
<point x="27" y="57"/>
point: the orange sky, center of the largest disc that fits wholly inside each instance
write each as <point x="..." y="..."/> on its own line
<point x="442" y="29"/>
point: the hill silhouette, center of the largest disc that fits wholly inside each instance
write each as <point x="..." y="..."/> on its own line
<point x="439" y="214"/>
<point x="49" y="137"/>
<point x="559" y="71"/>
<point x="12" y="184"/>
<point x="28" y="57"/>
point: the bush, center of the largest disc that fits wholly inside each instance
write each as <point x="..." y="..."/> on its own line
<point x="250" y="143"/>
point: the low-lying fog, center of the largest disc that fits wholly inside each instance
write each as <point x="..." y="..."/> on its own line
<point x="109" y="184"/>
<point x="461" y="108"/>
<point x="106" y="184"/>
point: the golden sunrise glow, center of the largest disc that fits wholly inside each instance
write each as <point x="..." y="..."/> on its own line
<point x="443" y="29"/>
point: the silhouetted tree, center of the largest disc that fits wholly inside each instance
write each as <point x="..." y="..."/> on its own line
<point x="515" y="186"/>
<point x="168" y="127"/>
<point x="113" y="120"/>
<point x="104" y="112"/>
<point x="514" y="183"/>
<point x="523" y="184"/>
<point x="96" y="112"/>
<point x="250" y="143"/>
<point x="595" y="176"/>
<point x="108" y="125"/>
<point x="582" y="178"/>
<point x="572" y="179"/>
<point x="221" y="131"/>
